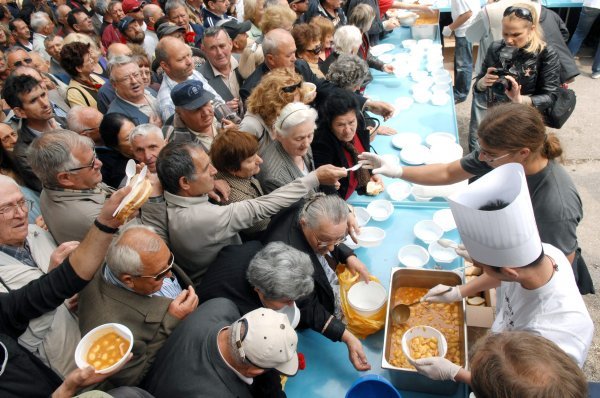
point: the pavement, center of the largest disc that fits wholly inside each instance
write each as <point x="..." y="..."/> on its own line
<point x="581" y="158"/>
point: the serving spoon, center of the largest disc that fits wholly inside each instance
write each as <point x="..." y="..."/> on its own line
<point x="401" y="312"/>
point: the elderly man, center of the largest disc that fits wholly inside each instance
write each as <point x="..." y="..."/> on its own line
<point x="21" y="34"/>
<point x="280" y="52"/>
<point x="152" y="13"/>
<point x="111" y="34"/>
<point x="17" y="56"/>
<point x="187" y="176"/>
<point x="42" y="26"/>
<point x="85" y="120"/>
<point x="22" y="375"/>
<point x="238" y="34"/>
<point x="221" y="69"/>
<point x="176" y="11"/>
<point x="28" y="252"/>
<point x="214" y="11"/>
<point x="228" y="353"/>
<point x="53" y="44"/>
<point x="29" y="101"/>
<point x="141" y="287"/>
<point x="131" y="97"/>
<point x="131" y="31"/>
<point x="146" y="142"/>
<point x="80" y="22"/>
<point x="62" y="11"/>
<point x="175" y="58"/>
<point x="106" y="94"/>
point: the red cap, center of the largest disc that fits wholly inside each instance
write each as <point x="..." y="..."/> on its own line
<point x="130" y="5"/>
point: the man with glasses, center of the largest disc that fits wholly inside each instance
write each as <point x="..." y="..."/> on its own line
<point x="139" y="286"/>
<point x="30" y="102"/>
<point x="131" y="97"/>
<point x="17" y="56"/>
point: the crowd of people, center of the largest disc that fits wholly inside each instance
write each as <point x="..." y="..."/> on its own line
<point x="250" y="117"/>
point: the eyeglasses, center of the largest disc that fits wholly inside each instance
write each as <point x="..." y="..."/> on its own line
<point x="292" y="88"/>
<point x="135" y="76"/>
<point x="88" y="166"/>
<point x="162" y="274"/>
<point x="9" y="211"/>
<point x="28" y="61"/>
<point x="488" y="157"/>
<point x="324" y="245"/>
<point x="520" y="12"/>
<point x="316" y="50"/>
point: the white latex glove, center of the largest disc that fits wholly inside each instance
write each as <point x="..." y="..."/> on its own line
<point x="461" y="250"/>
<point x="436" y="368"/>
<point x="435" y="295"/>
<point x="447" y="32"/>
<point x="380" y="165"/>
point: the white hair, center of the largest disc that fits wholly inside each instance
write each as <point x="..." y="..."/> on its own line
<point x="39" y="20"/>
<point x="347" y="39"/>
<point x="7" y="180"/>
<point x="293" y="114"/>
<point x="144" y="130"/>
<point x="124" y="259"/>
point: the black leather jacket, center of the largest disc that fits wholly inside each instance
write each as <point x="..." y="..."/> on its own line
<point x="539" y="74"/>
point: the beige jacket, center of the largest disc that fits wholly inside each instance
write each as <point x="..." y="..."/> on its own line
<point x="52" y="337"/>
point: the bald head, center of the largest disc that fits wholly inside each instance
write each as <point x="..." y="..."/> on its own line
<point x="152" y="13"/>
<point x="85" y="120"/>
<point x="61" y="14"/>
<point x="39" y="63"/>
<point x="116" y="49"/>
<point x="279" y="49"/>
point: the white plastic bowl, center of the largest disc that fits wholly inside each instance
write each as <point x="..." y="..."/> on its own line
<point x="425" y="43"/>
<point x="440" y="98"/>
<point x="440" y="138"/>
<point x="413" y="256"/>
<point x="423" y="331"/>
<point x="367" y="298"/>
<point x="380" y="210"/>
<point x="350" y="243"/>
<point x="93" y="335"/>
<point x="419" y="193"/>
<point x="399" y="190"/>
<point x="419" y="198"/>
<point x="402" y="140"/>
<point x="415" y="154"/>
<point x="440" y="253"/>
<point x="419" y="75"/>
<point x="422" y="97"/>
<point x="444" y="219"/>
<point x="444" y="87"/>
<point x="447" y="79"/>
<point x="428" y="231"/>
<point x="370" y="236"/>
<point x="362" y="216"/>
<point x="409" y="43"/>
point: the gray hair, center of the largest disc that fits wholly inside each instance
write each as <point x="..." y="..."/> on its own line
<point x="348" y="71"/>
<point x="293" y="114"/>
<point x="144" y="130"/>
<point x="117" y="61"/>
<point x="362" y="17"/>
<point x="272" y="40"/>
<point x="319" y="207"/>
<point x="213" y="31"/>
<point x="233" y="348"/>
<point x="74" y="116"/>
<point x="112" y="5"/>
<point x="123" y="258"/>
<point x="173" y="4"/>
<point x="51" y="37"/>
<point x="51" y="154"/>
<point x="4" y="179"/>
<point x="347" y="39"/>
<point x="281" y="272"/>
<point x="39" y="20"/>
<point x="101" y="7"/>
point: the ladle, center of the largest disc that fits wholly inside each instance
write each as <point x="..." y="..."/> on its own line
<point x="401" y="312"/>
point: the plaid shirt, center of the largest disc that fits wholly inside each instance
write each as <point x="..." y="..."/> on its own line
<point x="20" y="253"/>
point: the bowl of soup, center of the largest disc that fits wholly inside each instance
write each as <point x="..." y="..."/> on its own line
<point x="104" y="348"/>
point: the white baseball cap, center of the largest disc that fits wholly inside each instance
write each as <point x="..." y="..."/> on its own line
<point x="269" y="341"/>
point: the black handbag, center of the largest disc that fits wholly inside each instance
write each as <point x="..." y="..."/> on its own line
<point x="559" y="113"/>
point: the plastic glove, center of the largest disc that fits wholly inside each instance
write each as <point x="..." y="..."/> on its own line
<point x="447" y="32"/>
<point x="380" y="165"/>
<point x="436" y="368"/>
<point x="435" y="295"/>
<point x="461" y="250"/>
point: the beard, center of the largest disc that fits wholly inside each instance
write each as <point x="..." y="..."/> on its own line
<point x="137" y="39"/>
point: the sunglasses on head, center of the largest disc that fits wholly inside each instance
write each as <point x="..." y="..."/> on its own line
<point x="292" y="88"/>
<point x="28" y="61"/>
<point x="316" y="50"/>
<point x="520" y="12"/>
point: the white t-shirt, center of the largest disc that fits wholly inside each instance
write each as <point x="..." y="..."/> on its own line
<point x="555" y="311"/>
<point x="459" y="7"/>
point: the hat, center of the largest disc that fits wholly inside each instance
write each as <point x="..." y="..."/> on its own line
<point x="507" y="237"/>
<point x="168" y="28"/>
<point x="130" y="5"/>
<point x="269" y="342"/>
<point x="234" y="28"/>
<point x="124" y="23"/>
<point x="190" y="95"/>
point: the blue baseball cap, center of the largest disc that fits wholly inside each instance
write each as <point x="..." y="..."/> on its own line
<point x="124" y="23"/>
<point x="190" y="95"/>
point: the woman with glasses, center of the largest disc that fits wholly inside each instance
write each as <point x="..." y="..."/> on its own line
<point x="308" y="46"/>
<point x="276" y="89"/>
<point x="514" y="133"/>
<point x="521" y="68"/>
<point x="77" y="60"/>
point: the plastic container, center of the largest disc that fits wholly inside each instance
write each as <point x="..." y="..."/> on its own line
<point x="93" y="335"/>
<point x="370" y="236"/>
<point x="380" y="209"/>
<point x="413" y="256"/>
<point x="441" y="254"/>
<point x="362" y="216"/>
<point x="399" y="190"/>
<point x="372" y="386"/>
<point x="424" y="331"/>
<point x="428" y="231"/>
<point x="367" y="298"/>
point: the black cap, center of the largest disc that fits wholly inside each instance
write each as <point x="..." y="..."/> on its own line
<point x="190" y="95"/>
<point x="234" y="28"/>
<point x="124" y="23"/>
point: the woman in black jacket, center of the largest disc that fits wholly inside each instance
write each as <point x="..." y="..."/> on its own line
<point x="521" y="68"/>
<point x="341" y="135"/>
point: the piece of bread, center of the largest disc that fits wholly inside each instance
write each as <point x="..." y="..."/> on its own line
<point x="141" y="193"/>
<point x="477" y="300"/>
<point x="374" y="188"/>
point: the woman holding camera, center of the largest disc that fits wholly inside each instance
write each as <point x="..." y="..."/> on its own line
<point x="521" y="68"/>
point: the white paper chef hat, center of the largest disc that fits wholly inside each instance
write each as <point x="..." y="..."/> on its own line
<point x="502" y="238"/>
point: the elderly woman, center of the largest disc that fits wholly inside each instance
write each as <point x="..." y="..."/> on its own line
<point x="326" y="28"/>
<point x="275" y="90"/>
<point x="115" y="130"/>
<point x="308" y="45"/>
<point x="100" y="62"/>
<point x="253" y="12"/>
<point x="289" y="156"/>
<point x="77" y="60"/>
<point x="341" y="136"/>
<point x="317" y="227"/>
<point x="235" y="155"/>
<point x="362" y="17"/>
<point x="346" y="40"/>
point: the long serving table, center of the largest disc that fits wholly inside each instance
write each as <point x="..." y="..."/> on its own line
<point x="329" y="372"/>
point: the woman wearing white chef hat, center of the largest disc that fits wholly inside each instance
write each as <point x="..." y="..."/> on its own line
<point x="536" y="291"/>
<point x="514" y="133"/>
